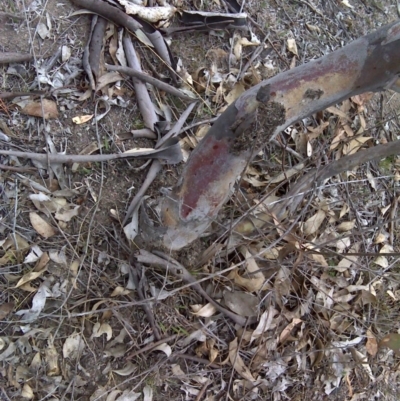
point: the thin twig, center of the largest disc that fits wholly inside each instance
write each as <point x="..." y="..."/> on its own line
<point x="151" y="176"/>
<point x="164" y="153"/>
<point x="203" y="390"/>
<point x="150" y="80"/>
<point x="149" y="347"/>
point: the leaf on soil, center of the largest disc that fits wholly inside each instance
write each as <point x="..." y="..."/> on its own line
<point x="73" y="346"/>
<point x="312" y="224"/>
<point x="32" y="275"/>
<point x="118" y="291"/>
<point x="266" y="323"/>
<point x="347" y="4"/>
<point x="204" y="310"/>
<point x="346" y="226"/>
<point x="9" y="350"/>
<point x="108" y="78"/>
<point x="42" y="30"/>
<point x="127" y="370"/>
<point x="35" y="109"/>
<point x="287" y="330"/>
<point x="355" y="145"/>
<point x="242" y="303"/>
<point x="38" y="303"/>
<point x="292" y="47"/>
<point x="102" y="328"/>
<point x="65" y="53"/>
<point x="206" y="348"/>
<point x="237" y="361"/>
<point x="164" y="348"/>
<point x="51" y="357"/>
<point x="41" y="226"/>
<point x="27" y="392"/>
<point x="33" y="255"/>
<point x="82" y="119"/>
<point x="236" y="91"/>
<point x="67" y="214"/>
<point x="372" y="344"/>
<point x="147" y="393"/>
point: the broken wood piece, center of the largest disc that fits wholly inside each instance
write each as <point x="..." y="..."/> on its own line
<point x="170" y="154"/>
<point x="368" y="64"/>
<point x="143" y="99"/>
<point x="155" y="168"/>
<point x="96" y="46"/>
<point x="7" y="58"/>
<point x="153" y="81"/>
<point x="109" y="12"/>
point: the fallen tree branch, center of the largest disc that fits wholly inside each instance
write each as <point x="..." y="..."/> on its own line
<point x="347" y="163"/>
<point x="171" y="154"/>
<point x="110" y="13"/>
<point x="146" y="106"/>
<point x="6" y="58"/>
<point x="150" y="80"/>
<point x="371" y="63"/>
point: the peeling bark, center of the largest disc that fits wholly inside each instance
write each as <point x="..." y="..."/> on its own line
<point x="371" y="63"/>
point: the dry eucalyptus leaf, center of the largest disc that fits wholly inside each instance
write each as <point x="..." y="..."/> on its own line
<point x="67" y="215"/>
<point x="34" y="109"/>
<point x="204" y="311"/>
<point x="127" y="370"/>
<point x="119" y="291"/>
<point x="147" y="393"/>
<point x="164" y="348"/>
<point x="236" y="91"/>
<point x="73" y="346"/>
<point x="82" y="119"/>
<point x="102" y="328"/>
<point x="312" y="224"/>
<point x="292" y="47"/>
<point x="42" y="30"/>
<point x="286" y="331"/>
<point x="27" y="392"/>
<point x="242" y="303"/>
<point x="29" y="277"/>
<point x="41" y="226"/>
<point x="266" y="323"/>
<point x="372" y="344"/>
<point x="237" y="361"/>
<point x="51" y="357"/>
<point x="346" y="226"/>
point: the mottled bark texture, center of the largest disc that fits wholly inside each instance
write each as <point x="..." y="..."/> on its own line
<point x="371" y="63"/>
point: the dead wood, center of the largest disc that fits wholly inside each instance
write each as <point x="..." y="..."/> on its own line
<point x="371" y="63"/>
<point x="6" y="58"/>
<point x="110" y="13"/>
<point x="153" y="81"/>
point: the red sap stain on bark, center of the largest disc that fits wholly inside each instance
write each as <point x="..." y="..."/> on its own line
<point x="206" y="167"/>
